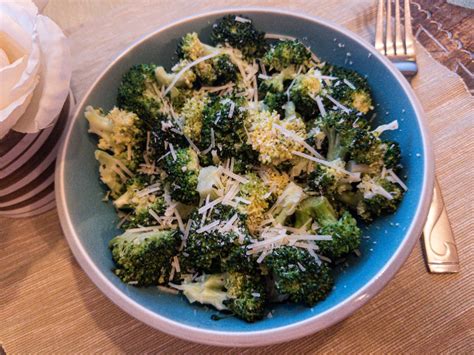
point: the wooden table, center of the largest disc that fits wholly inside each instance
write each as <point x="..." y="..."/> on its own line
<point x="48" y="305"/>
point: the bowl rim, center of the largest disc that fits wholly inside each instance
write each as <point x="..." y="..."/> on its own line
<point x="284" y="333"/>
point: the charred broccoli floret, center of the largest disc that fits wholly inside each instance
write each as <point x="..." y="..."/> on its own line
<point x="183" y="171"/>
<point x="299" y="275"/>
<point x="144" y="258"/>
<point x="239" y="32"/>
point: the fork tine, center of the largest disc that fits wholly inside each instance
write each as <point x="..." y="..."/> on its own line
<point x="379" y="42"/>
<point x="390" y="50"/>
<point x="409" y="42"/>
<point x="399" y="50"/>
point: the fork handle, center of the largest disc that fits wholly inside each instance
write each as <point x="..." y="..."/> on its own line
<point x="407" y="67"/>
<point x="438" y="239"/>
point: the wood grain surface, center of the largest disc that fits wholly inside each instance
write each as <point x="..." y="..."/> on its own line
<point x="48" y="305"/>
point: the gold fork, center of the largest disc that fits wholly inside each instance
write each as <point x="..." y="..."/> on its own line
<point x="440" y="248"/>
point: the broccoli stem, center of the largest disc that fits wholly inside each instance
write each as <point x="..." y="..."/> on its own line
<point x="317" y="208"/>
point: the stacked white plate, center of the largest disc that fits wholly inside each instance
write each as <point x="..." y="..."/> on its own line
<point x="27" y="164"/>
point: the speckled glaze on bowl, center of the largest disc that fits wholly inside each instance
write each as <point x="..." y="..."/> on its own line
<point x="89" y="223"/>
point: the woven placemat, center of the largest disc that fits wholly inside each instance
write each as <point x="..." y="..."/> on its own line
<point x="48" y="304"/>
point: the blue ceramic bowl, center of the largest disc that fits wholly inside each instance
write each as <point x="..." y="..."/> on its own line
<point x="89" y="223"/>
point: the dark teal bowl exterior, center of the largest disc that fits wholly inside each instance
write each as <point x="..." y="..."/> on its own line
<point x="92" y="222"/>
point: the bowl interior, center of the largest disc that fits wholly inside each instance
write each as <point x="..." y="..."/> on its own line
<point x="94" y="221"/>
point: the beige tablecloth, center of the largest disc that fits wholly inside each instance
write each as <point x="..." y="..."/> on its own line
<point x="47" y="304"/>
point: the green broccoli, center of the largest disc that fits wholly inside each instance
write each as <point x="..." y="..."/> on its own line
<point x="223" y="120"/>
<point x="239" y="32"/>
<point x="351" y="90"/>
<point x="166" y="131"/>
<point x="276" y="102"/>
<point x="217" y="70"/>
<point x="185" y="81"/>
<point x="287" y="203"/>
<point x="246" y="296"/>
<point x="217" y="249"/>
<point x="182" y="168"/>
<point x="136" y="200"/>
<point x="278" y="82"/>
<point x="298" y="275"/>
<point x="241" y="294"/>
<point x="303" y="92"/>
<point x="113" y="172"/>
<point x="285" y="53"/>
<point x="144" y="258"/>
<point x="374" y="197"/>
<point x="120" y="132"/>
<point x="328" y="181"/>
<point x="344" y="231"/>
<point x="193" y="112"/>
<point x="341" y="131"/>
<point x="392" y="155"/>
<point x="139" y="92"/>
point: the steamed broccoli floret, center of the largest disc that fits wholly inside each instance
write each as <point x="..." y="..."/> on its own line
<point x="144" y="259"/>
<point x="273" y="146"/>
<point x="239" y="32"/>
<point x="166" y="131"/>
<point x="218" y="249"/>
<point x="344" y="231"/>
<point x="183" y="172"/>
<point x="287" y="203"/>
<point x="285" y="53"/>
<point x="306" y="87"/>
<point x="223" y="118"/>
<point x="113" y="172"/>
<point x="241" y="294"/>
<point x="139" y="204"/>
<point x="359" y="98"/>
<point x="375" y="197"/>
<point x="214" y="71"/>
<point x="139" y="92"/>
<point x="298" y="275"/>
